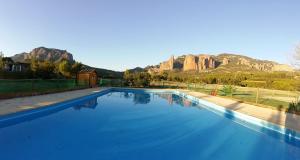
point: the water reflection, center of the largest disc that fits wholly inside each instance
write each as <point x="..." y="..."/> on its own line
<point x="172" y="98"/>
<point x="145" y="98"/>
<point x="290" y="135"/>
<point x="127" y="95"/>
<point x="138" y="98"/>
<point x="141" y="98"/>
<point x="92" y="103"/>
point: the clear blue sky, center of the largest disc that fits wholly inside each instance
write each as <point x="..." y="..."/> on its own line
<point x="120" y="34"/>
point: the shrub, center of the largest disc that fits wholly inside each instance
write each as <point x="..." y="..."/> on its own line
<point x="137" y="79"/>
<point x="294" y="107"/>
<point x="285" y="85"/>
<point x="228" y="90"/>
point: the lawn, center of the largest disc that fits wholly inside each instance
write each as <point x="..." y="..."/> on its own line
<point x="275" y="99"/>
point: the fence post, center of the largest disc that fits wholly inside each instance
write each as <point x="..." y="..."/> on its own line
<point x="257" y="95"/>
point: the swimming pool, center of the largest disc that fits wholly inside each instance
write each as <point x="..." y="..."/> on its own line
<point x="139" y="124"/>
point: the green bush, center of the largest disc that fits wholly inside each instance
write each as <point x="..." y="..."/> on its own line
<point x="228" y="90"/>
<point x="285" y="85"/>
<point x="137" y="79"/>
<point x="294" y="107"/>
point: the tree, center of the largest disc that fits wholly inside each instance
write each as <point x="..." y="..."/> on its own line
<point x="1" y="60"/>
<point x="46" y="70"/>
<point x="34" y="65"/>
<point x="142" y="79"/>
<point x="128" y="77"/>
<point x="75" y="68"/>
<point x="64" y="68"/>
<point x="137" y="79"/>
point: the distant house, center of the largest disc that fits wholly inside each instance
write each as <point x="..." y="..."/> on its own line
<point x="87" y="77"/>
<point x="11" y="66"/>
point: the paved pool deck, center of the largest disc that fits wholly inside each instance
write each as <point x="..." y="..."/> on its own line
<point x="288" y="120"/>
<point x="13" y="105"/>
<point x="282" y="118"/>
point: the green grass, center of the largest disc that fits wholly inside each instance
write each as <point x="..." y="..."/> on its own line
<point x="250" y="97"/>
<point x="245" y="94"/>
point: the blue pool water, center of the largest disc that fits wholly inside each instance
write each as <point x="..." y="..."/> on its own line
<point x="137" y="126"/>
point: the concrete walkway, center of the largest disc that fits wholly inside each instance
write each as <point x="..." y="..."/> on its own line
<point x="13" y="105"/>
<point x="288" y="120"/>
<point x="278" y="117"/>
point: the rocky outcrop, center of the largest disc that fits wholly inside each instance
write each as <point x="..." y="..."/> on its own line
<point x="153" y="70"/>
<point x="44" y="54"/>
<point x="190" y="63"/>
<point x="205" y="62"/>
<point x="211" y="63"/>
<point x="225" y="61"/>
<point x="202" y="63"/>
<point x="243" y="61"/>
<point x="167" y="65"/>
<point x="256" y="64"/>
<point x="198" y="63"/>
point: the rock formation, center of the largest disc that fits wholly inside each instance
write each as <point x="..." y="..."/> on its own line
<point x="225" y="61"/>
<point x="153" y="70"/>
<point x="205" y="62"/>
<point x="243" y="61"/>
<point x="43" y="54"/>
<point x="261" y="66"/>
<point x="198" y="63"/>
<point x="211" y="63"/>
<point x="167" y="65"/>
<point x="190" y="63"/>
<point x="202" y="62"/>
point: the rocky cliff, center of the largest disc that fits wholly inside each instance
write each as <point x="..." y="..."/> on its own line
<point x="221" y="62"/>
<point x="167" y="65"/>
<point x="198" y="63"/>
<point x="43" y="54"/>
<point x="190" y="63"/>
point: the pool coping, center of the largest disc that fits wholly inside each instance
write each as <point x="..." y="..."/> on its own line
<point x="52" y="107"/>
<point x="243" y="117"/>
<point x="22" y="115"/>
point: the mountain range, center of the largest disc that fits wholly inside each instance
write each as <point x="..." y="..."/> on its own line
<point x="224" y="62"/>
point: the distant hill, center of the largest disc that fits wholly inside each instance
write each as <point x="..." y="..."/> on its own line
<point x="224" y="62"/>
<point x="43" y="54"/>
<point x="105" y="73"/>
<point x="137" y="69"/>
<point x="56" y="55"/>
